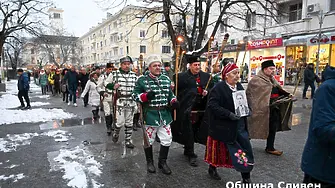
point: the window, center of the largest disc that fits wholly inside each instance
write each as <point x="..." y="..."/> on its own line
<point x="166" y="49"/>
<point x="251" y="20"/>
<point x="232" y="41"/>
<point x="143" y="49"/>
<point x="109" y="28"/>
<point x="332" y="5"/>
<point x="120" y="22"/>
<point x="142" y="33"/>
<point x="115" y="38"/>
<point x="121" y="51"/>
<point x="32" y="51"/>
<point x="295" y="12"/>
<point x="121" y="37"/>
<point x="56" y="15"/>
<point x="165" y="34"/>
<point x="105" y="42"/>
<point x="115" y="51"/>
<point x="223" y="26"/>
<point x="101" y="44"/>
<point x="104" y="30"/>
<point x="127" y="49"/>
<point x="115" y="24"/>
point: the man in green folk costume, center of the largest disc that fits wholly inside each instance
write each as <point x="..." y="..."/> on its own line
<point x="153" y="91"/>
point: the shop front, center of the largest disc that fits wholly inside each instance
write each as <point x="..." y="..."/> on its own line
<point x="267" y="49"/>
<point x="327" y="50"/>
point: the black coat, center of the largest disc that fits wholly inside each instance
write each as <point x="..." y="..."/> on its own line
<point x="220" y="105"/>
<point x="309" y="75"/>
<point x="182" y="129"/>
<point x="83" y="78"/>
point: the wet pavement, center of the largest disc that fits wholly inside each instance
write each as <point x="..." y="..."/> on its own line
<point x="39" y="161"/>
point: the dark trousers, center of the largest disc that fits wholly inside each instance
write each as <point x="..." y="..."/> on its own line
<point x="310" y="179"/>
<point x="66" y="97"/>
<point x="306" y="88"/>
<point x="73" y="93"/>
<point x="56" y="89"/>
<point x="273" y="124"/>
<point x="85" y="99"/>
<point x="24" y="94"/>
<point x="44" y="89"/>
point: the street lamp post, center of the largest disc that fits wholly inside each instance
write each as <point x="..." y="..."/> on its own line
<point x="321" y="17"/>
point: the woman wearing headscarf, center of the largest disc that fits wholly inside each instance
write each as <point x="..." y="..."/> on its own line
<point x="228" y="143"/>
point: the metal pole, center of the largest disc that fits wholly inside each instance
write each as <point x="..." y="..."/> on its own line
<point x="319" y="43"/>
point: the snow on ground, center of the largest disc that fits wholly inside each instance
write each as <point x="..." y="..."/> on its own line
<point x="11" y="87"/>
<point x="11" y="101"/>
<point x="11" y="142"/>
<point x="14" y="177"/>
<point x="43" y="96"/>
<point x="12" y="166"/>
<point x="32" y="116"/>
<point x="79" y="167"/>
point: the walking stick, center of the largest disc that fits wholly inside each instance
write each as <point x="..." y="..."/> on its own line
<point x="224" y="42"/>
<point x="295" y="89"/>
<point x="209" y="48"/>
<point x="176" y="70"/>
<point x="238" y="50"/>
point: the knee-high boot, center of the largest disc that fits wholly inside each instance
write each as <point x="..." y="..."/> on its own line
<point x="163" y="153"/>
<point x="150" y="161"/>
<point x="108" y="124"/>
<point x="135" y="121"/>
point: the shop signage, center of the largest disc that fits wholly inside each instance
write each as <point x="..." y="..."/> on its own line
<point x="266" y="43"/>
<point x="325" y="39"/>
<point x="261" y="58"/>
<point x="233" y="48"/>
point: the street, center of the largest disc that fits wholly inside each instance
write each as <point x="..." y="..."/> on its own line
<point x="56" y="145"/>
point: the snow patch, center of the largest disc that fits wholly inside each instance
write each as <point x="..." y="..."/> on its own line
<point x="12" y="166"/>
<point x="32" y="116"/>
<point x="9" y="101"/>
<point x="11" y="142"/>
<point x="58" y="135"/>
<point x="79" y="167"/>
<point x="44" y="97"/>
<point x="14" y="177"/>
<point x="39" y="103"/>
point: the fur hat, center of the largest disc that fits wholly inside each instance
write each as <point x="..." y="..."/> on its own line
<point x="109" y="65"/>
<point x="268" y="63"/>
<point x="153" y="59"/>
<point x="126" y="59"/>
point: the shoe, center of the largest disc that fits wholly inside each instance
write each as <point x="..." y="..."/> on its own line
<point x="274" y="152"/>
<point x="68" y="103"/>
<point x="27" y="107"/>
<point x="305" y="98"/>
<point x="150" y="162"/>
<point x="22" y="107"/>
<point x="75" y="104"/>
<point x="193" y="161"/>
<point x="115" y="137"/>
<point x="246" y="180"/>
<point x="85" y="105"/>
<point x="213" y="173"/>
<point x="163" y="153"/>
<point x="130" y="145"/>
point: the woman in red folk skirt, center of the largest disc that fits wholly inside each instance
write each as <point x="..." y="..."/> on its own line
<point x="228" y="143"/>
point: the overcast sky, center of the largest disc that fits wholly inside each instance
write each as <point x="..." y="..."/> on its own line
<point x="80" y="15"/>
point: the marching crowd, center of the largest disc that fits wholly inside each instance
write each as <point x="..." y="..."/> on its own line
<point x="197" y="107"/>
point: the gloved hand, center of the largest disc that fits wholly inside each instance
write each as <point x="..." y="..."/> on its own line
<point x="233" y="116"/>
<point x="151" y="95"/>
<point x="175" y="104"/>
<point x="101" y="93"/>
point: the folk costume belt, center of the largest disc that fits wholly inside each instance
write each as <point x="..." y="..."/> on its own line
<point x="158" y="108"/>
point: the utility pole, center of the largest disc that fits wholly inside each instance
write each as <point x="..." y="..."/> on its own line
<point x="321" y="18"/>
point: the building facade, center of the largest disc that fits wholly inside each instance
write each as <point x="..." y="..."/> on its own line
<point x="127" y="32"/>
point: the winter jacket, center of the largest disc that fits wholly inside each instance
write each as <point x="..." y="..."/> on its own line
<point x="94" y="96"/>
<point x="72" y="80"/>
<point x="318" y="158"/>
<point x="23" y="82"/>
<point x="51" y="78"/>
<point x="83" y="78"/>
<point x="43" y="79"/>
<point x="220" y="105"/>
<point x="309" y="75"/>
<point x="56" y="79"/>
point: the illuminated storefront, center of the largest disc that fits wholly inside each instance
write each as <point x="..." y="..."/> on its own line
<point x="267" y="49"/>
<point x="327" y="50"/>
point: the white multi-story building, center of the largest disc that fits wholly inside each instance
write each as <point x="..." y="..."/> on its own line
<point x="127" y="32"/>
<point x="56" y="21"/>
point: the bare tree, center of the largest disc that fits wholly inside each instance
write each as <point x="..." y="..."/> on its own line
<point x="13" y="50"/>
<point x="192" y="18"/>
<point x="16" y="15"/>
<point x="59" y="49"/>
